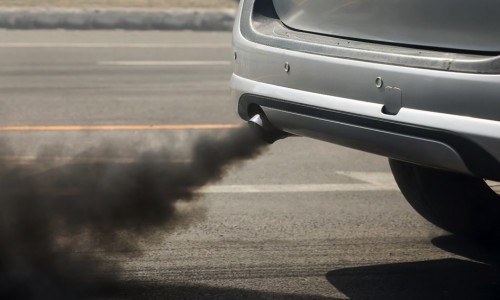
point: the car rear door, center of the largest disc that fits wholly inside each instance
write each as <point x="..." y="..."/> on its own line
<point x="471" y="25"/>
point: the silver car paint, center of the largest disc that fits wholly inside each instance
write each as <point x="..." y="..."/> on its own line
<point x="455" y="24"/>
<point x="459" y="102"/>
<point x="424" y="151"/>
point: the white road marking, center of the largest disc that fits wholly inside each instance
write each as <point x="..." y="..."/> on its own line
<point x="167" y="63"/>
<point x="110" y="45"/>
<point x="494" y="185"/>
<point x="377" y="178"/>
<point x="372" y="181"/>
<point x="294" y="188"/>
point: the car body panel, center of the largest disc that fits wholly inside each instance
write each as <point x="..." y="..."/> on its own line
<point x="451" y="24"/>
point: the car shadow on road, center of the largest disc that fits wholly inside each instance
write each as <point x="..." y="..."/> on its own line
<point x="485" y="251"/>
<point x="436" y="279"/>
<point x="147" y="290"/>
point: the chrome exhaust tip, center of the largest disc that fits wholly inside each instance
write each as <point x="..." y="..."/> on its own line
<point x="264" y="130"/>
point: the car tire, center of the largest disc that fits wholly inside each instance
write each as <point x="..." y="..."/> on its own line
<point x="458" y="203"/>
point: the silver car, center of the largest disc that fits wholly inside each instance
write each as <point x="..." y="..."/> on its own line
<point x="416" y="81"/>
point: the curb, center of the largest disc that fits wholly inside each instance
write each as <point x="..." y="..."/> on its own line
<point x="128" y="19"/>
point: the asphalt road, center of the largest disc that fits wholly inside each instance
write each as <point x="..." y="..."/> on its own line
<point x="305" y="220"/>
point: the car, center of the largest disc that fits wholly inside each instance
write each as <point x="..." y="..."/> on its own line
<point x="416" y="81"/>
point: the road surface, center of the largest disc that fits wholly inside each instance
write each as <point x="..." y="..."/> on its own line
<point x="305" y="220"/>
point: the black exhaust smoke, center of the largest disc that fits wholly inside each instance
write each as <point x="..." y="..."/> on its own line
<point x="48" y="221"/>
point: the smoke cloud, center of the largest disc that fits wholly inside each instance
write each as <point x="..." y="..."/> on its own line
<point x="51" y="218"/>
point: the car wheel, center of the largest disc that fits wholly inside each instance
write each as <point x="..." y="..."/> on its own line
<point x="460" y="204"/>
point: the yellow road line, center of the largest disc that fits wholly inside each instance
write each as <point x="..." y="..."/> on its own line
<point x="121" y="127"/>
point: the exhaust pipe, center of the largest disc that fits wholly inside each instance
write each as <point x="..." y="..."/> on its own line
<point x="264" y="130"/>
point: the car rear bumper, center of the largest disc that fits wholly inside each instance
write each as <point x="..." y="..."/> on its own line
<point x="420" y="113"/>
